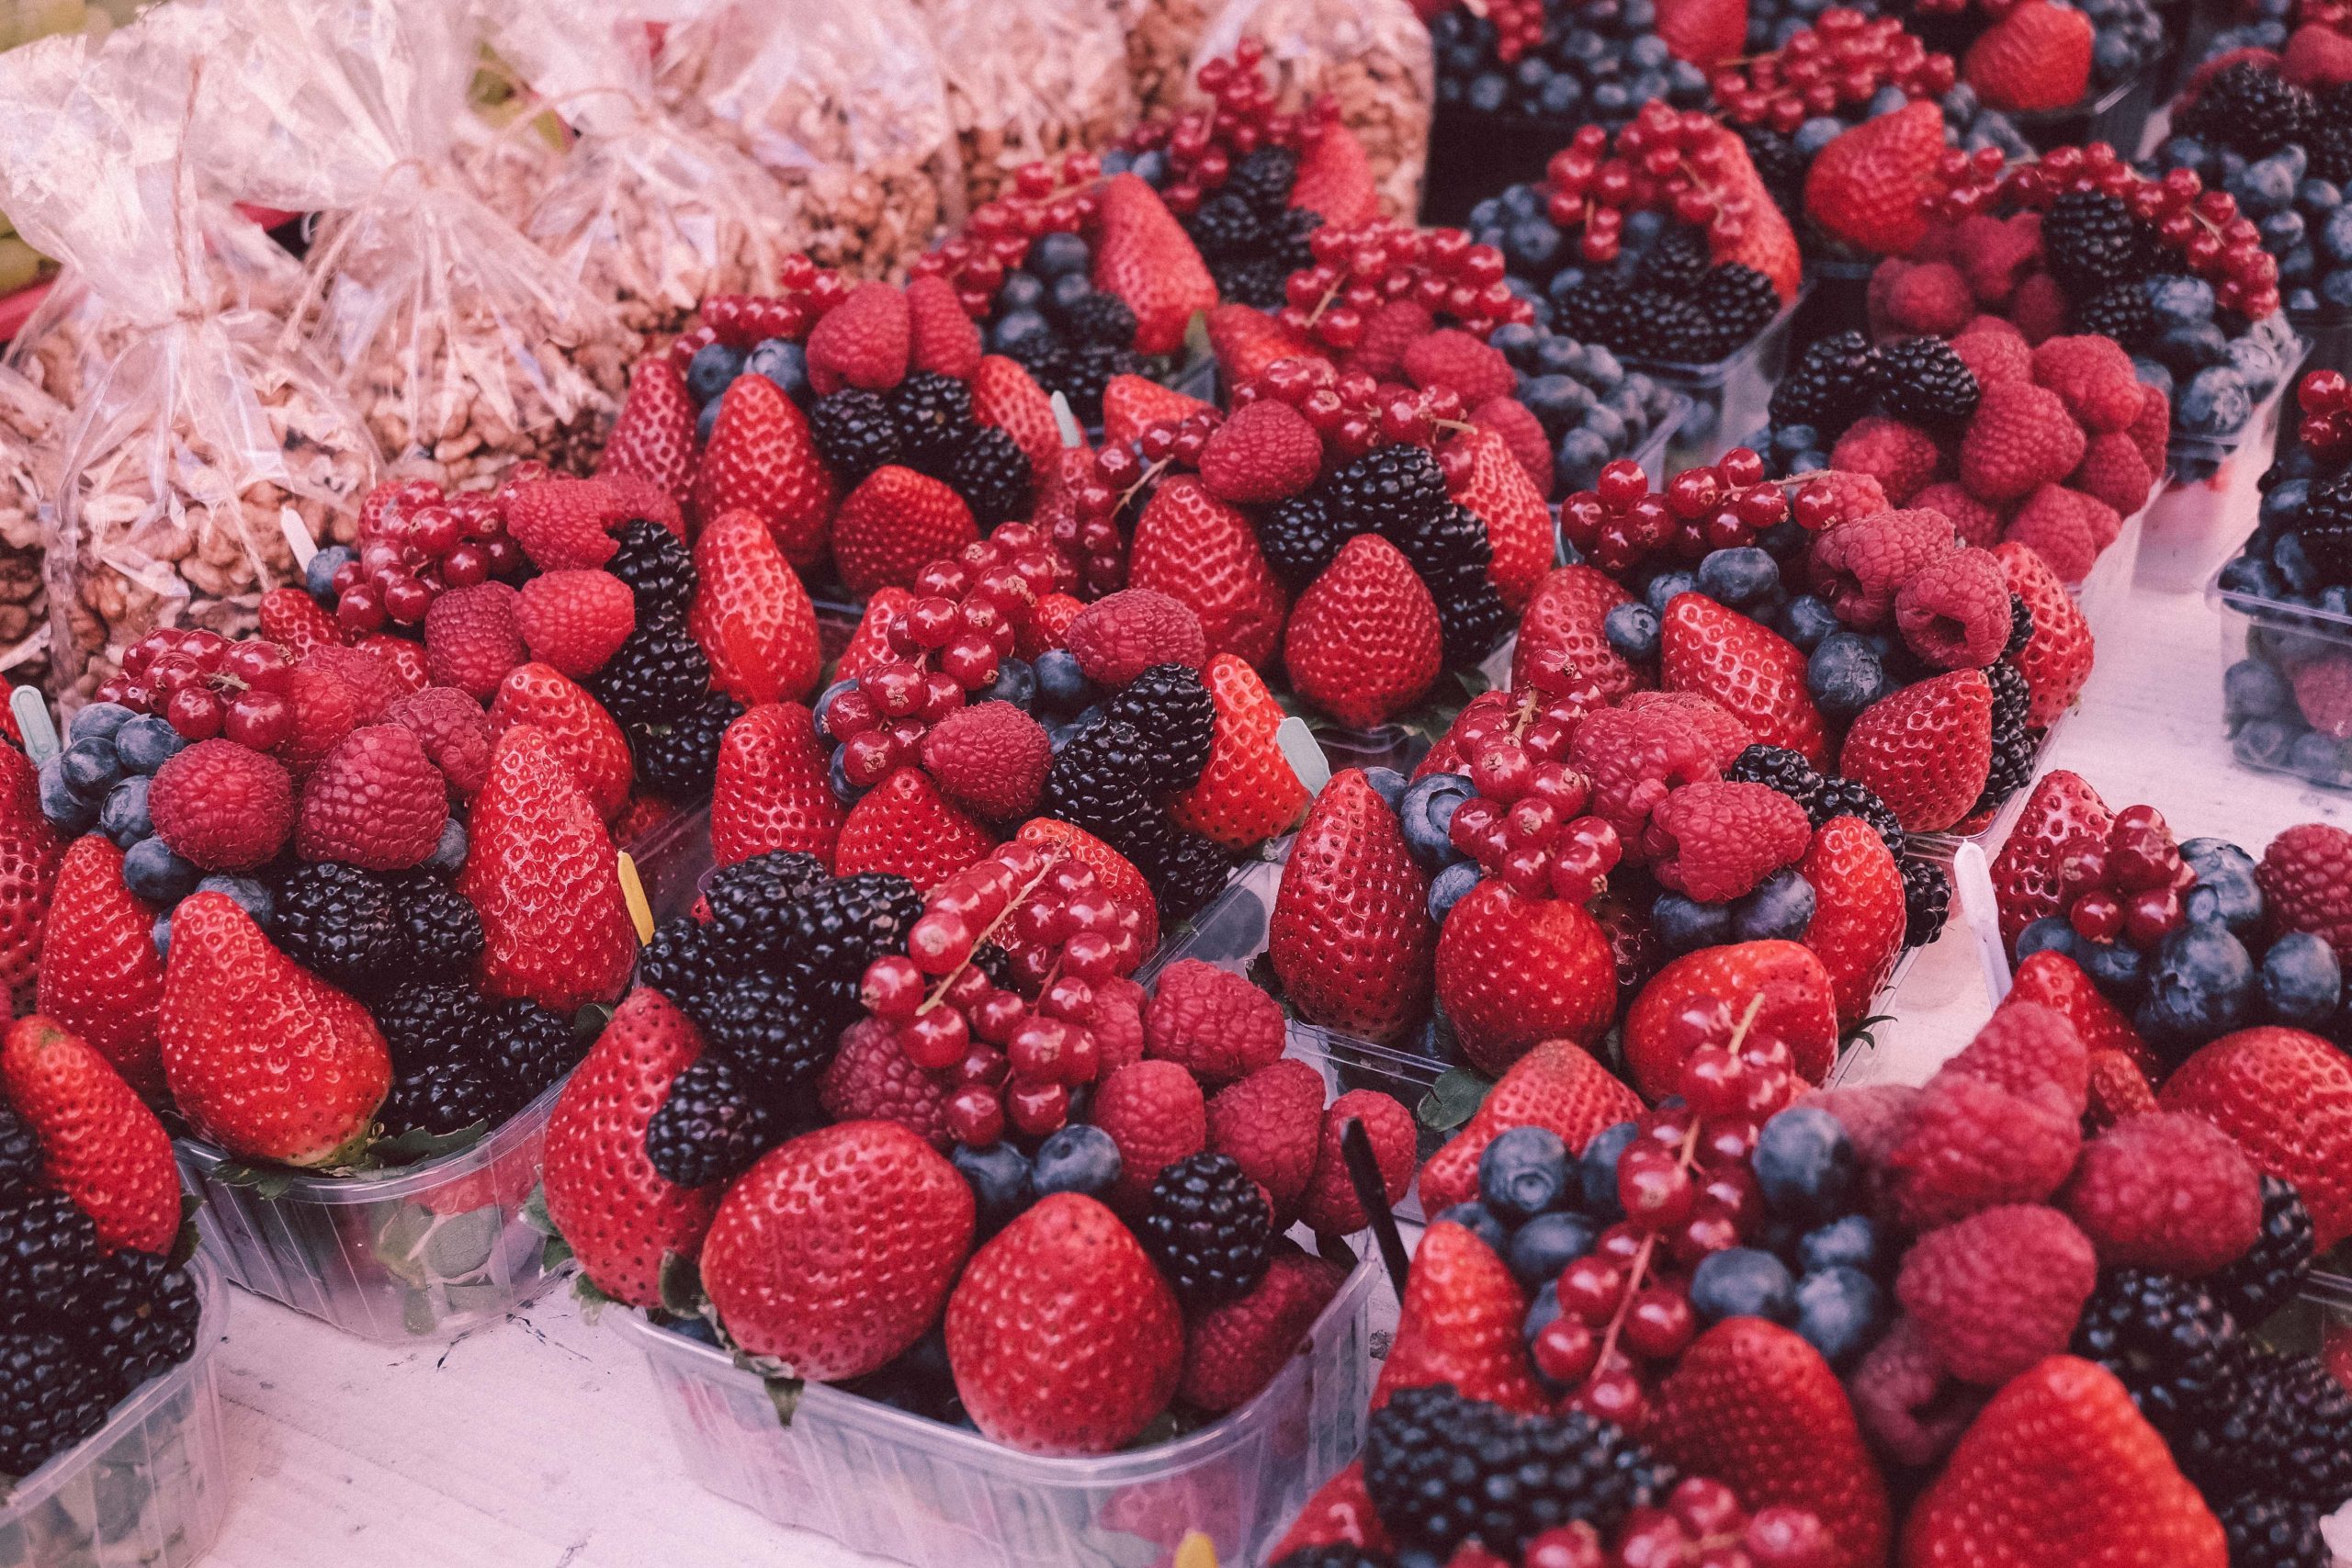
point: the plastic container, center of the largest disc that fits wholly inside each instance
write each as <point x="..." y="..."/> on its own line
<point x="1837" y="299"/>
<point x="2103" y="590"/>
<point x="1475" y="155"/>
<point x="146" y="1490"/>
<point x="2329" y="333"/>
<point x="2207" y="508"/>
<point x="2276" y="662"/>
<point x="883" y="1481"/>
<point x="2117" y="116"/>
<point x="1730" y="398"/>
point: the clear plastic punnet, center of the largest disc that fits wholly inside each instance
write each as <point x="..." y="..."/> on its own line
<point x="2279" y="662"/>
<point x="1028" y="81"/>
<point x="1729" y="398"/>
<point x="2207" y="508"/>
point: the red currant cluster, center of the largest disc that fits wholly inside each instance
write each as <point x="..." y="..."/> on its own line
<point x="415" y="539"/>
<point x="968" y="616"/>
<point x="206" y="685"/>
<point x="1703" y="1525"/>
<point x="1621" y="522"/>
<point x="1358" y="269"/>
<point x="1687" y="1190"/>
<point x="2325" y="398"/>
<point x="2128" y="888"/>
<point x="1013" y="1053"/>
<point x="1661" y="160"/>
<point x="2334" y="15"/>
<point x="1519" y="27"/>
<point x="1527" y="824"/>
<point x="1837" y="64"/>
<point x="1204" y="144"/>
<point x="1354" y="412"/>
<point x="1047" y="198"/>
<point x="805" y="292"/>
<point x="1086" y="532"/>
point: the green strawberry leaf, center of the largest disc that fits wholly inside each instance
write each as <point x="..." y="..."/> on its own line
<point x="681" y="1285"/>
<point x="267" y="1182"/>
<point x="534" y="1212"/>
<point x="593" y="1300"/>
<point x="417" y="1145"/>
<point x="1453" y="1100"/>
<point x="183" y="1240"/>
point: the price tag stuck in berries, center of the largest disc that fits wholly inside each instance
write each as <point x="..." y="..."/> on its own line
<point x="298" y="537"/>
<point x="1305" y="756"/>
<point x="34" y="724"/>
<point x="640" y="912"/>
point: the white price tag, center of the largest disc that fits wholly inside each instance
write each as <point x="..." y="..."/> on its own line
<point x="1304" y="755"/>
<point x="298" y="537"/>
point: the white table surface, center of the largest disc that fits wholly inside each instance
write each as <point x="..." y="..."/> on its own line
<point x="538" y="1443"/>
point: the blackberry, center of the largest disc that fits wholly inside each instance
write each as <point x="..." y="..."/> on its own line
<point x="140" y="1319"/>
<point x="856" y="433"/>
<point x="1205" y="1224"/>
<point x="1927" y="901"/>
<point x="1782" y="769"/>
<point x="2244" y="1434"/>
<point x="753" y="906"/>
<point x="20" y="1159"/>
<point x="1606" y="312"/>
<point x="1778" y="165"/>
<point x="844" y="925"/>
<point x="1042" y="355"/>
<point x="336" y="920"/>
<point x="1471" y="621"/>
<point x="428" y="1023"/>
<point x="1336" y="1557"/>
<point x="1851" y="797"/>
<point x="2248" y="109"/>
<point x="992" y="474"/>
<point x="682" y="961"/>
<point x="1100" y="321"/>
<point x="776" y="1035"/>
<point x="1258" y="281"/>
<point x="659" y="672"/>
<point x="1441" y="1469"/>
<point x="1738" y="302"/>
<point x="436" y="931"/>
<point x="2165" y="1340"/>
<point x="1262" y="181"/>
<point x="2317" y="1464"/>
<point x="1085" y="370"/>
<point x="2013" y="742"/>
<point x="2325" y="526"/>
<point x="1185" y="870"/>
<point x="50" y="1400"/>
<point x="933" y="412"/>
<point x="2090" y="242"/>
<point x="1922" y="381"/>
<point x="1677" y="259"/>
<point x="529" y="1047"/>
<point x="1390" y="489"/>
<point x="2330" y="148"/>
<point x="1225" y="226"/>
<point x="2020" y="627"/>
<point x="442" y="1098"/>
<point x="2122" y="313"/>
<point x="1831" y="386"/>
<point x="1450" y="538"/>
<point x="2267" y="1278"/>
<point x="709" y="1128"/>
<point x="1100" y="781"/>
<point x="657" y="566"/>
<point x="50" y="1261"/>
<point x="1299" y="536"/>
<point x="2273" y="1532"/>
<point x="1173" y="712"/>
<point x="677" y="758"/>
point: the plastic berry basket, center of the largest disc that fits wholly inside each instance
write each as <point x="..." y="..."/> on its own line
<point x="886" y="1482"/>
<point x="1730" y="396"/>
<point x="1472" y="155"/>
<point x="1836" y="298"/>
<point x="2109" y="583"/>
<point x="2269" y="650"/>
<point x="2207" y="507"/>
<point x="146" y="1490"/>
<point x="2117" y="115"/>
<point x="2328" y="330"/>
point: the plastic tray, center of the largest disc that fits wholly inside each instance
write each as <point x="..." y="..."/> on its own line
<point x="2109" y="583"/>
<point x="2207" y="508"/>
<point x="2118" y="116"/>
<point x="1730" y="398"/>
<point x="1475" y="155"/>
<point x="1837" y="299"/>
<point x="2329" y="333"/>
<point x="883" y="1481"/>
<point x="2287" y="639"/>
<point x="146" y="1490"/>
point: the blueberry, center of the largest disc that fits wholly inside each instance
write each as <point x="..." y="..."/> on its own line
<point x="1850" y="1241"/>
<point x="1738" y="577"/>
<point x="2257" y="365"/>
<point x="1150" y="167"/>
<point x="1488" y="1229"/>
<point x="714" y="366"/>
<point x="2263" y="743"/>
<point x="1017" y="327"/>
<point x="1601" y="371"/>
<point x="1000" y="1180"/>
<point x="783" y="362"/>
<point x="1080" y="1157"/>
<point x="1387" y="784"/>
<point x="1805" y="1163"/>
<point x="2151" y="373"/>
<point x="1607" y="424"/>
<point x="1515" y="341"/>
<point x="151" y="870"/>
<point x="1547" y="1244"/>
<point x="2182" y="301"/>
<point x="706" y="421"/>
<point x="2119" y="969"/>
<point x="1019" y="291"/>
<point x="1067" y="291"/>
<point x="2335" y="288"/>
<point x="1845" y="675"/>
<point x="1450" y="887"/>
<point x="1805" y="620"/>
<point x="160" y="933"/>
<point x="2201" y="985"/>
<point x="837" y="780"/>
<point x="1596" y="1169"/>
<point x="2281" y="233"/>
<point x="448" y="850"/>
<point x="1534" y="242"/>
<point x="1016" y="683"/>
<point x="2294" y="564"/>
<point x="2190" y="349"/>
<point x="1786" y="542"/>
<point x="1667" y="586"/>
<point x="2301" y="981"/>
<point x="123" y="817"/>
<point x="68" y="809"/>
<point x="2266" y="186"/>
<point x="1838" y="1312"/>
<point x="99" y="721"/>
<point x="1523" y="1172"/>
<point x="2318" y="758"/>
<point x="2335" y="236"/>
<point x="91" y="766"/>
<point x="2318" y="197"/>
<point x="247" y="893"/>
<point x="1683" y="924"/>
<point x="2228" y="870"/>
<point x="1818" y="132"/>
<point x="1780" y="908"/>
<point x="1633" y="632"/>
<point x="1541" y="1312"/>
<point x="1742" y="1282"/>
<point x="1428" y="812"/>
<point x="1580" y="457"/>
<point x="318" y="578"/>
<point x="1061" y="684"/>
<point x="1059" y="254"/>
<point x="1557" y="401"/>
<point x="1556" y="355"/>
<point x="2050" y="933"/>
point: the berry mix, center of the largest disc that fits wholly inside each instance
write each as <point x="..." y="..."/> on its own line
<point x="1593" y="63"/>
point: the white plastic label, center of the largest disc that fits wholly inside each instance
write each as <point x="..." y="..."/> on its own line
<point x="1305" y="756"/>
<point x="33" y="723"/>
<point x="298" y="537"/>
<point x="1073" y="432"/>
<point x="1972" y="886"/>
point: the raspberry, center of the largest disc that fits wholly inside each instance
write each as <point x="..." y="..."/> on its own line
<point x="941" y="337"/>
<point x="1932" y="298"/>
<point x="1270" y="1122"/>
<point x="1995" y="252"/>
<point x="1723" y="735"/>
<point x="324" y="712"/>
<point x="1154" y="1112"/>
<point x="1975" y="523"/>
<point x="1902" y="458"/>
<point x="1954" y="613"/>
<point x="1995" y="357"/>
<point x="1875" y="1116"/>
<point x="1634" y="757"/>
<point x="1851" y="495"/>
<point x="1330" y="1206"/>
<point x="1973" y="1144"/>
<point x="641" y="497"/>
<point x="1234" y="1349"/>
<point x="2092" y="376"/>
<point x="221" y="806"/>
<point x="1998" y="1291"/>
<point x="573" y="620"/>
<point x="2166" y="1192"/>
<point x="473" y="636"/>
<point x="990" y="759"/>
<point x="2065" y="528"/>
<point x="2032" y="1050"/>
<point x="861" y="342"/>
<point x="1265" y="452"/>
<point x="2323" y="694"/>
<point x="374" y="688"/>
<point x="2306" y="875"/>
<point x="1720" y="840"/>
<point x="1861" y="566"/>
<point x="2118" y="1089"/>
<point x="2113" y="472"/>
<point x="1522" y="433"/>
<point x="1215" y="1024"/>
<point x="376" y="802"/>
<point x="1116" y="1023"/>
<point x="565" y="524"/>
<point x="1387" y="334"/>
<point x="2152" y="432"/>
<point x="2039" y="308"/>
<point x="870" y="1079"/>
<point x="1900" y="1398"/>
<point x="1122" y="635"/>
<point x="456" y="732"/>
<point x="2022" y="437"/>
<point x="1452" y="357"/>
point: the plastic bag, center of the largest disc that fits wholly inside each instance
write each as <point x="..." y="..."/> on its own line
<point x="1029" y="80"/>
<point x="1371" y="57"/>
<point x="31" y="423"/>
<point x="189" y="457"/>
<point x="463" y="346"/>
<point x="843" y="103"/>
<point x="1161" y="37"/>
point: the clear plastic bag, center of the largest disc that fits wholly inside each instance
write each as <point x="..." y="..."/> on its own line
<point x="1029" y="80"/>
<point x="192" y="451"/>
<point x="463" y="348"/>
<point x="843" y="103"/>
<point x="1161" y="37"/>
<point x="30" y="425"/>
<point x="1371" y="57"/>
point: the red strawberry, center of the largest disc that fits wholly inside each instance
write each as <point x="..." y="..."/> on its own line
<point x="1350" y="936"/>
<point x="1388" y="332"/>
<point x="574" y="620"/>
<point x="100" y="976"/>
<point x="750" y="614"/>
<point x="1118" y="874"/>
<point x="563" y="523"/>
<point x="904" y="825"/>
<point x="1246" y="341"/>
<point x="1474" y="368"/>
<point x="217" y="803"/>
<point x="1756" y="1408"/>
<point x="401" y="658"/>
<point x="262" y="1056"/>
<point x="1264" y="452"/>
<point x="100" y="1144"/>
<point x="1461" y="1323"/>
<point x="1339" y="1514"/>
<point x="455" y="733"/>
<point x="1233" y="1350"/>
<point x="1203" y="554"/>
<point x="762" y="459"/>
<point x="1272" y="1122"/>
<point x="2286" y="1097"/>
<point x="1857" y="931"/>
<point x="1555" y="1086"/>
<point x="1565" y="614"/>
<point x="1764" y="240"/>
<point x="895" y="523"/>
<point x="2062" y="811"/>
<point x="474" y="636"/>
<point x="834" y="1253"/>
<point x="1331" y="1206"/>
<point x="861" y="342"/>
<point x="1130" y="402"/>
<point x="1335" y="178"/>
<point x="2060" y="1471"/>
<point x="1519" y="522"/>
<point x="622" y="1218"/>
<point x="1800" y="1007"/>
<point x="377" y="801"/>
<point x="944" y="339"/>
<point x="541" y="873"/>
<point x="1513" y="970"/>
<point x="1925" y="750"/>
<point x="654" y="436"/>
<point x="1248" y="791"/>
<point x="1363" y="642"/>
<point x="1867" y="187"/>
<point x="1704" y="32"/>
<point x="29" y="852"/>
<point x="2037" y="57"/>
<point x="2056" y="659"/>
<point x="2057" y="982"/>
<point x="295" y="621"/>
<point x="1004" y="395"/>
<point x="2118" y="1087"/>
<point x="1062" y="1335"/>
<point x="1523" y="433"/>
<point x="870" y="644"/>
<point x="587" y="738"/>
<point x="1751" y="671"/>
<point x="1143" y="255"/>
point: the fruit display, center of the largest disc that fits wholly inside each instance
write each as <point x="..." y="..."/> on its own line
<point x="1589" y="64"/>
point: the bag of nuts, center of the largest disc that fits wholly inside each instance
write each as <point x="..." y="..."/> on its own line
<point x="1161" y="37"/>
<point x="1371" y="57"/>
<point x="191" y="456"/>
<point x="30" y="422"/>
<point x="843" y="103"/>
<point x="464" y="347"/>
<point x="1029" y="80"/>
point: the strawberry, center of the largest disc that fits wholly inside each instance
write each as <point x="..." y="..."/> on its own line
<point x="2060" y="1470"/>
<point x="540" y="871"/>
<point x="654" y="436"/>
<point x="1519" y="522"/>
<point x="1565" y="614"/>
<point x="1868" y="186"/>
<point x="1117" y="873"/>
<point x="2037" y="57"/>
<point x="942" y="338"/>
<point x="1555" y="1086"/>
<point x="100" y="976"/>
<point x="262" y="1056"/>
<point x="1756" y="1408"/>
<point x="1005" y="396"/>
<point x="1335" y="178"/>
<point x="30" y="853"/>
<point x="2056" y="659"/>
<point x="1388" y="332"/>
<point x="1143" y="255"/>
<point x="1800" y="1007"/>
<point x="1062" y="1335"/>
<point x="1925" y="750"/>
<point x="904" y="825"/>
<point x="1363" y="642"/>
<point x="870" y="644"/>
<point x="2063" y="811"/>
<point x="762" y="459"/>
<point x="1704" y="32"/>
<point x="1248" y="791"/>
<point x="2286" y="1097"/>
<point x="1765" y="241"/>
<point x="750" y="614"/>
<point x="1474" y="368"/>
<point x="585" y="736"/>
<point x="1513" y="970"/>
<point x="1753" y="673"/>
<point x="1130" y="402"/>
<point x="402" y="657"/>
<point x="573" y="620"/>
<point x="1246" y="341"/>
<point x="834" y="1252"/>
<point x="1460" y="1323"/>
<point x="100" y="1144"/>
<point x="893" y="524"/>
<point x="563" y="523"/>
<point x="1857" y="931"/>
<point x="295" y="621"/>
<point x="1234" y="1349"/>
<point x="2055" y="981"/>
<point x="1522" y="434"/>
<point x="1350" y="936"/>
<point x="2118" y="1087"/>
<point x="1263" y="452"/>
<point x="862" y="341"/>
<point x="1203" y="554"/>
<point x="1339" y="1514"/>
<point x="622" y="1218"/>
